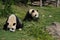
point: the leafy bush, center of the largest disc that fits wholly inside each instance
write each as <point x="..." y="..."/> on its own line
<point x="7" y="8"/>
<point x="21" y="1"/>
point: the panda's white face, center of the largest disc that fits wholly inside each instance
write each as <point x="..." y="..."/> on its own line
<point x="12" y="23"/>
<point x="34" y="13"/>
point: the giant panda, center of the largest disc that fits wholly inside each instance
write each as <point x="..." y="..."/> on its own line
<point x="32" y="14"/>
<point x="13" y="23"/>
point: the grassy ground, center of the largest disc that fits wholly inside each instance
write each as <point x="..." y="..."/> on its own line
<point x="32" y="30"/>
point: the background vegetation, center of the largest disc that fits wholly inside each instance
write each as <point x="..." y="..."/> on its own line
<point x="32" y="30"/>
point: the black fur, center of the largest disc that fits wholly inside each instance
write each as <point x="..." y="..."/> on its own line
<point x="5" y="25"/>
<point x="32" y="11"/>
<point x="28" y="17"/>
<point x="19" y="24"/>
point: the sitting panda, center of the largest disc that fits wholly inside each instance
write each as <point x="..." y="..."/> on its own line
<point x="32" y="14"/>
<point x="13" y="23"/>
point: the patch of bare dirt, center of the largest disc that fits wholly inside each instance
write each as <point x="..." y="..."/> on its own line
<point x="54" y="30"/>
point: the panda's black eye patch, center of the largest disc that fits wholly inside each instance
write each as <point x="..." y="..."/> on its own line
<point x="37" y="10"/>
<point x="7" y="23"/>
<point x="12" y="28"/>
<point x="32" y="11"/>
<point x="14" y="24"/>
<point x="35" y="15"/>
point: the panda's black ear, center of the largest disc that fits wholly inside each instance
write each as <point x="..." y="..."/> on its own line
<point x="32" y="11"/>
<point x="37" y="10"/>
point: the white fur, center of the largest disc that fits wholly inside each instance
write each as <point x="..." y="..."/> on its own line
<point x="11" y="20"/>
<point x="12" y="30"/>
<point x="20" y="29"/>
<point x="34" y="13"/>
<point x="30" y="10"/>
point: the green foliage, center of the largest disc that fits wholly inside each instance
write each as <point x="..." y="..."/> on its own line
<point x="7" y="8"/>
<point x="1" y="8"/>
<point x="16" y="1"/>
<point x="24" y="1"/>
<point x="21" y="1"/>
<point x="32" y="30"/>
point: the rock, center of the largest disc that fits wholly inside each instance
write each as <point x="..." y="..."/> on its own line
<point x="54" y="30"/>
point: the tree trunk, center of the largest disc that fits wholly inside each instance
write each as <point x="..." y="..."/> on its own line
<point x="57" y="3"/>
<point x="40" y="3"/>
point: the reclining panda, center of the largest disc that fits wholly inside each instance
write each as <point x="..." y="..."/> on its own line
<point x="32" y="14"/>
<point x="13" y="23"/>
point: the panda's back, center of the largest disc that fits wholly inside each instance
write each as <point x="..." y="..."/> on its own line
<point x="12" y="19"/>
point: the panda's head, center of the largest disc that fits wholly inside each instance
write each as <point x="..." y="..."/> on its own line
<point x="11" y="23"/>
<point x="34" y="13"/>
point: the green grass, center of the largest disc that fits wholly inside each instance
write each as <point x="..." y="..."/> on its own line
<point x="32" y="30"/>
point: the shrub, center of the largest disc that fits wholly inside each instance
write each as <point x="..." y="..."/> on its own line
<point x="7" y="8"/>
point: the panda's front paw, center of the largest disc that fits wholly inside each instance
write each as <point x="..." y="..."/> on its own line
<point x="20" y="29"/>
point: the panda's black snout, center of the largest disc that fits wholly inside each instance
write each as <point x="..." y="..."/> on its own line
<point x="35" y="15"/>
<point x="11" y="31"/>
<point x="12" y="28"/>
